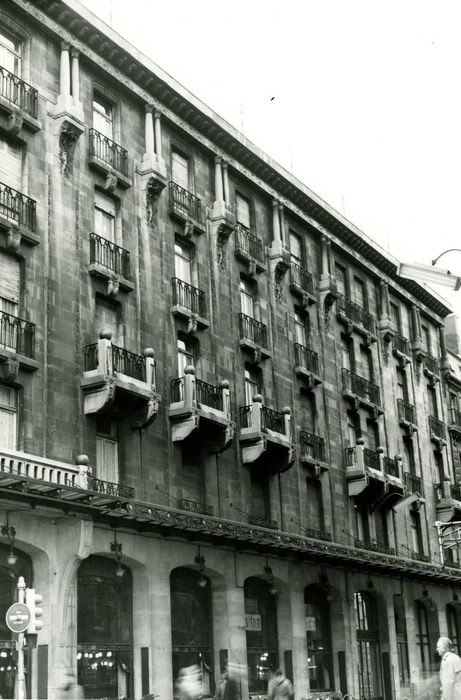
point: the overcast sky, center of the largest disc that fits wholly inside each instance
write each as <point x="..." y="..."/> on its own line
<point x="366" y="109"/>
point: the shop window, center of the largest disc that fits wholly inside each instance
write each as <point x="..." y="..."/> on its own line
<point x="192" y="625"/>
<point x="10" y="52"/>
<point x="427" y="633"/>
<point x="104" y="629"/>
<point x="8" y="416"/>
<point x="103" y="116"/>
<point x="261" y="633"/>
<point x="402" y="640"/>
<point x="318" y="638"/>
<point x="369" y="653"/>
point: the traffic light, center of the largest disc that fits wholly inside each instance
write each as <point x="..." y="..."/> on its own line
<point x="32" y="600"/>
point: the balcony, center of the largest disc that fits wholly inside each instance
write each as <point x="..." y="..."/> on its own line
<point x="302" y="284"/>
<point x="407" y="416"/>
<point x="17" y="217"/>
<point x="265" y="437"/>
<point x="189" y="304"/>
<point x="447" y="500"/>
<point x="313" y="451"/>
<point x="431" y="367"/>
<point x="355" y="317"/>
<point x="17" y="346"/>
<point x="253" y="336"/>
<point x="249" y="248"/>
<point x="361" y="391"/>
<point x="115" y="376"/>
<point x="454" y="425"/>
<point x="187" y="208"/>
<point x="374" y="546"/>
<point x="401" y="348"/>
<point x="110" y="263"/>
<point x="110" y="159"/>
<point x="19" y="102"/>
<point x="437" y="431"/>
<point x="307" y="365"/>
<point x="258" y="521"/>
<point x="373" y="476"/>
<point x="413" y="484"/>
<point x="195" y="507"/>
<point x="201" y="409"/>
<point x="317" y="534"/>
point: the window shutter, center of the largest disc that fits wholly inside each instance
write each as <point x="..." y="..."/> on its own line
<point x="106" y="459"/>
<point x="8" y="429"/>
<point x="106" y="317"/>
<point x="243" y="211"/>
<point x="105" y="203"/>
<point x="10" y="164"/>
<point x="9" y="279"/>
<point x="180" y="170"/>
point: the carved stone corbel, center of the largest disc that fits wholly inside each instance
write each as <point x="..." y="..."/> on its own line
<point x="223" y="233"/>
<point x="188" y="229"/>
<point x="68" y="137"/>
<point x="150" y="411"/>
<point x="101" y="399"/>
<point x="13" y="238"/>
<point x="86" y="539"/>
<point x="113" y="286"/>
<point x="154" y="189"/>
<point x="251" y="268"/>
<point x="257" y="356"/>
<point x="192" y="324"/>
<point x="15" y="122"/>
<point x="9" y="369"/>
<point x="279" y="273"/>
<point x="111" y="182"/>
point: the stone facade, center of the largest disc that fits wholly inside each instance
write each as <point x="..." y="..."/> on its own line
<point x="264" y="398"/>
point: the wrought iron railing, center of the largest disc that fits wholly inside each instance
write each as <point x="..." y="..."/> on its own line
<point x="17" y="91"/>
<point x="245" y="416"/>
<point x="195" y="507"/>
<point x="365" y="389"/>
<point x="17" y="207"/>
<point x="189" y="297"/>
<point x="109" y="255"/>
<point x="371" y="458"/>
<point x="108" y="151"/>
<point x="312" y="445"/>
<point x="209" y="395"/>
<point x="123" y="361"/>
<point x="455" y="490"/>
<point x="401" y="344"/>
<point x="17" y="334"/>
<point x="431" y="363"/>
<point x="413" y="483"/>
<point x="356" y="313"/>
<point x="317" y="534"/>
<point x="391" y="467"/>
<point x="375" y="546"/>
<point x="406" y="411"/>
<point x="249" y="243"/>
<point x="253" y="330"/>
<point x="185" y="202"/>
<point x="301" y="278"/>
<point x="455" y="417"/>
<point x="262" y="522"/>
<point x="109" y="488"/>
<point x="273" y="420"/>
<point x="306" y="358"/>
<point x="419" y="556"/>
<point x="437" y="427"/>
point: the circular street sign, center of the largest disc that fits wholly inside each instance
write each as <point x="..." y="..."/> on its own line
<point x="18" y="617"/>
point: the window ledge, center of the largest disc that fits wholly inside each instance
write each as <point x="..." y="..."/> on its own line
<point x="249" y="260"/>
<point x="17" y="233"/>
<point x="11" y="361"/>
<point x="110" y="172"/>
<point x="247" y="344"/>
<point x="18" y="118"/>
<point x="188" y="315"/>
<point x="114" y="279"/>
<point x="307" y="297"/>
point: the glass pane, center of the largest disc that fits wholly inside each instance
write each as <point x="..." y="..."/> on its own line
<point x="295" y="249"/>
<point x="243" y="210"/>
<point x="102" y="117"/>
<point x="180" y="170"/>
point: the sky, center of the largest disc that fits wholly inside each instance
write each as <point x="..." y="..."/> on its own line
<point x="359" y="99"/>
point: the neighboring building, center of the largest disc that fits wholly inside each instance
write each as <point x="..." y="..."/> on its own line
<point x="259" y="394"/>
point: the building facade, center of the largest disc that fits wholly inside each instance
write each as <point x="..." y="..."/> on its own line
<point x="227" y="426"/>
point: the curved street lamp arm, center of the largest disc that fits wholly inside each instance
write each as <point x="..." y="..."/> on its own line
<point x="450" y="250"/>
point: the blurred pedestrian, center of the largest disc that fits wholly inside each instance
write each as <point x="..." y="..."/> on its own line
<point x="189" y="683"/>
<point x="280" y="687"/>
<point x="227" y="688"/>
<point x="450" y="670"/>
<point x="70" y="689"/>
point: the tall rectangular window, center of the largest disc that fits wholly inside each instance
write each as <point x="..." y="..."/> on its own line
<point x="360" y="296"/>
<point x="185" y="355"/>
<point x="366" y="361"/>
<point x="396" y="318"/>
<point x="252" y="385"/>
<point x="10" y="174"/>
<point x="426" y="337"/>
<point x="107" y="466"/>
<point x="180" y="170"/>
<point x="8" y="416"/>
<point x="347" y="354"/>
<point x="301" y="328"/>
<point x="416" y="534"/>
<point x="243" y="210"/>
<point x="296" y="249"/>
<point x="104" y="216"/>
<point x="106" y="317"/>
<point x="422" y="636"/>
<point x="341" y="281"/>
<point x="9" y="284"/>
<point x="103" y="116"/>
<point x="10" y="53"/>
<point x="315" y="513"/>
<point x="432" y="401"/>
<point x="182" y="262"/>
<point x="402" y="640"/>
<point x="402" y="385"/>
<point x="247" y="298"/>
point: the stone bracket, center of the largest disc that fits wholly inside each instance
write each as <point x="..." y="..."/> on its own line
<point x="9" y="369"/>
<point x="149" y="412"/>
<point x="100" y="398"/>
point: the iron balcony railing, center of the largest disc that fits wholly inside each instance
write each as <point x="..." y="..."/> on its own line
<point x="189" y="297"/>
<point x="356" y="313"/>
<point x="253" y="330"/>
<point x="109" y="488"/>
<point x="391" y="467"/>
<point x="301" y="278"/>
<point x="312" y="445"/>
<point x="306" y="358"/>
<point x="431" y="363"/>
<point x="317" y="534"/>
<point x="371" y="458"/>
<point x="413" y="483"/>
<point x="209" y="395"/>
<point x="108" y="151"/>
<point x="262" y="522"/>
<point x="406" y="411"/>
<point x="437" y="427"/>
<point x="362" y="387"/>
<point x="419" y="556"/>
<point x="109" y="255"/>
<point x="454" y="491"/>
<point x="375" y="546"/>
<point x="248" y="243"/>
<point x="401" y="344"/>
<point x="455" y="417"/>
<point x="185" y="202"/>
<point x="123" y="361"/>
<point x="18" y="92"/>
<point x="17" y="207"/>
<point x="195" y="507"/>
<point x="270" y="419"/>
<point x="17" y="334"/>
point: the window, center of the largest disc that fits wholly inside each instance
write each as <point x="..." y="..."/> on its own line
<point x="9" y="284"/>
<point x="8" y="416"/>
<point x="409" y="455"/>
<point x="396" y="318"/>
<point x="402" y="640"/>
<point x="243" y="208"/>
<point x="438" y="461"/>
<point x="309" y="412"/>
<point x="10" y="53"/>
<point x="261" y="633"/>
<point x="381" y="527"/>
<point x="353" y="428"/>
<point x="247" y="298"/>
<point x="103" y="116"/>
<point x="372" y="434"/>
<point x="302" y="328"/>
<point x="402" y="384"/>
<point x="318" y="638"/>
<point x="104" y="217"/>
<point x="252" y="384"/>
<point x="416" y="533"/>
<point x="366" y="615"/>
<point x="422" y="636"/>
<point x="426" y="336"/>
<point x="192" y="477"/>
<point x="182" y="262"/>
<point x="260" y="506"/>
<point x="180" y="170"/>
<point x="296" y="249"/>
<point x="107" y="467"/>
<point x="185" y="355"/>
<point x="366" y="362"/>
<point x="315" y="513"/>
<point x="453" y="611"/>
<point x="341" y="279"/>
<point x="432" y="401"/>
<point x="107" y="317"/>
<point x="347" y="353"/>
<point x="362" y="523"/>
<point x="360" y="296"/>
<point x="10" y="174"/>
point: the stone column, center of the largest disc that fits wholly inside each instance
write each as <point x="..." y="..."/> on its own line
<point x="443" y="345"/>
<point x="276" y="220"/>
<point x="75" y="53"/>
<point x="282" y="221"/>
<point x="149" y="130"/>
<point x="325" y="268"/>
<point x="158" y="133"/>
<point x="225" y="175"/>
<point x="298" y="625"/>
<point x="218" y="184"/>
<point x="64" y="76"/>
<point x="160" y="606"/>
<point x="416" y="330"/>
<point x="385" y="304"/>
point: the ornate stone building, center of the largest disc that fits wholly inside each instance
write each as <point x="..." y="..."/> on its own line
<point x="227" y="426"/>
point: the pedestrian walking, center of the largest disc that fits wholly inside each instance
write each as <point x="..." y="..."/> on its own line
<point x="227" y="687"/>
<point x="450" y="670"/>
<point x="189" y="683"/>
<point x="280" y="687"/>
<point x="70" y="689"/>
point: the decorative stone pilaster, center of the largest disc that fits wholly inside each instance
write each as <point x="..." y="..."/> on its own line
<point x="328" y="292"/>
<point x="152" y="169"/>
<point x="416" y="343"/>
<point x="386" y="326"/>
<point x="279" y="255"/>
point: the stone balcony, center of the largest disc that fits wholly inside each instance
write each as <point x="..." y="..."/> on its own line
<point x="454" y="425"/>
<point x="111" y="263"/>
<point x="372" y="475"/>
<point x="447" y="500"/>
<point x="354" y="317"/>
<point x="413" y="484"/>
<point x="110" y="159"/>
<point x="198" y="407"/>
<point x="189" y="304"/>
<point x="437" y="432"/>
<point x="265" y="437"/>
<point x="361" y="392"/>
<point x="19" y="103"/>
<point x="253" y="337"/>
<point x="313" y="452"/>
<point x="401" y="349"/>
<point x="17" y="346"/>
<point x="302" y="284"/>
<point x="186" y="208"/>
<point x="249" y="249"/>
<point x="407" y="416"/>
<point x="374" y="546"/>
<point x="17" y="217"/>
<point x="113" y="375"/>
<point x="307" y="365"/>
